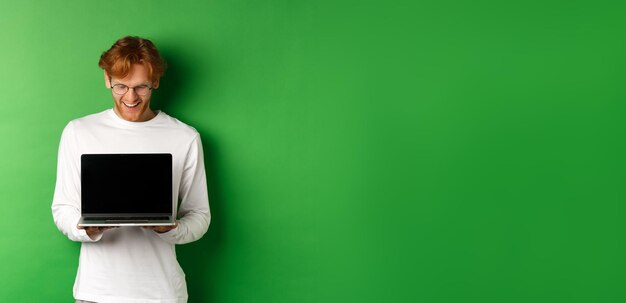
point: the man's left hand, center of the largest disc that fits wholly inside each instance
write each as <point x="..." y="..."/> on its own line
<point x="162" y="229"/>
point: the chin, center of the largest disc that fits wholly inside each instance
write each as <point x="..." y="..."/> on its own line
<point x="134" y="114"/>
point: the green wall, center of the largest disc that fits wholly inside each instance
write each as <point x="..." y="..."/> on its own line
<point x="357" y="151"/>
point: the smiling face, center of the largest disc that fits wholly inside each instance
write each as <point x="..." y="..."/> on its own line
<point x="132" y="106"/>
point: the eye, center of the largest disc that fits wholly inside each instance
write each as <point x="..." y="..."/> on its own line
<point x="142" y="89"/>
<point x="119" y="89"/>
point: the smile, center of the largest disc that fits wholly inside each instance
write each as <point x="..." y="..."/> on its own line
<point x="131" y="105"/>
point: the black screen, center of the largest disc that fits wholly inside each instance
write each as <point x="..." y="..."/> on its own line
<point x="126" y="183"/>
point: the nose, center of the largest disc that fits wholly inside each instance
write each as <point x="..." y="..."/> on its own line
<point x="131" y="95"/>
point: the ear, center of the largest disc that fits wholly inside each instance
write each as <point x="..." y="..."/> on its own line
<point x="155" y="84"/>
<point x="107" y="80"/>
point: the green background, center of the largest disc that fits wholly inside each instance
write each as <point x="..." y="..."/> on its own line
<point x="356" y="151"/>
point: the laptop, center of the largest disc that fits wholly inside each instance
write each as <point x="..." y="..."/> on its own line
<point x="126" y="190"/>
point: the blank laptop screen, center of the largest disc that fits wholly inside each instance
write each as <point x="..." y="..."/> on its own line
<point x="126" y="183"/>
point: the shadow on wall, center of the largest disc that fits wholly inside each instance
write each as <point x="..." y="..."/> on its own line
<point x="198" y="259"/>
<point x="174" y="83"/>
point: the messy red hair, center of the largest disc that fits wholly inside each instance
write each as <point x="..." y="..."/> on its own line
<point x="118" y="60"/>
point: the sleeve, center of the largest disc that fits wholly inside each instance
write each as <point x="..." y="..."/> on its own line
<point x="66" y="201"/>
<point x="194" y="212"/>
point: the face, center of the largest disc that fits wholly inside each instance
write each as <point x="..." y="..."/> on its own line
<point x="132" y="106"/>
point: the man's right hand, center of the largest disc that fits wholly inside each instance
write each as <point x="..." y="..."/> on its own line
<point x="93" y="231"/>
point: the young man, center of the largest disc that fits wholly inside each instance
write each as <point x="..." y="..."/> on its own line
<point x="132" y="264"/>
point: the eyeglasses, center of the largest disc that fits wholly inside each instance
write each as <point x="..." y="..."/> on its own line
<point x="121" y="89"/>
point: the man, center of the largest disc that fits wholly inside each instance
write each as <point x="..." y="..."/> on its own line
<point x="132" y="264"/>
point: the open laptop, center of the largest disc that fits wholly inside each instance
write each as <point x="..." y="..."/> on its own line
<point x="126" y="190"/>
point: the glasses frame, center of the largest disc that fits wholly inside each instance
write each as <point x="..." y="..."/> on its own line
<point x="128" y="88"/>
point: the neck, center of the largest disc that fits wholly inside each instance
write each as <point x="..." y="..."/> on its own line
<point x="147" y="116"/>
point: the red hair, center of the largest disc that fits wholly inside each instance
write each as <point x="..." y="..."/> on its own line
<point x="118" y="60"/>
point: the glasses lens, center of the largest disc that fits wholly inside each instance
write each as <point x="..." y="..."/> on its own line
<point x="142" y="90"/>
<point x="120" y="89"/>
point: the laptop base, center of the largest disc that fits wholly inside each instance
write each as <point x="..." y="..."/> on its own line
<point x="86" y="222"/>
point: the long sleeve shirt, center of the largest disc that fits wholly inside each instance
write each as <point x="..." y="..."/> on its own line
<point x="132" y="264"/>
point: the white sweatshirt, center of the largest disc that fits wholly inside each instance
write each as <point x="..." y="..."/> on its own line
<point x="132" y="264"/>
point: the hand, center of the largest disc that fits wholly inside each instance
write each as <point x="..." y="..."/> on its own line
<point x="93" y="231"/>
<point x="162" y="229"/>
